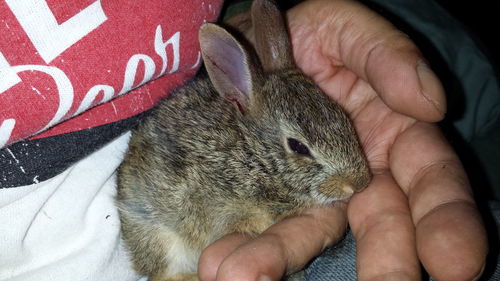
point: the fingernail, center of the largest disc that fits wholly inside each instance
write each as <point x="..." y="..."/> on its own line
<point x="432" y="90"/>
<point x="264" y="278"/>
<point x="480" y="273"/>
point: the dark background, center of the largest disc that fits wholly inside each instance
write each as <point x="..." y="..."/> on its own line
<point x="482" y="20"/>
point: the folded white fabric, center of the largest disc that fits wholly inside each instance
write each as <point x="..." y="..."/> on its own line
<point x="66" y="228"/>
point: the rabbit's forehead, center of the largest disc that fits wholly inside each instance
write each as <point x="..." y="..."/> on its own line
<point x="304" y="112"/>
<point x="301" y="106"/>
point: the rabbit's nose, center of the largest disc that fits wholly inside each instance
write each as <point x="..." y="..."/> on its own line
<point x="338" y="187"/>
<point x="343" y="186"/>
<point x="348" y="189"/>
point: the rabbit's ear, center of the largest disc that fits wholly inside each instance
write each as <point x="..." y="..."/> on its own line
<point x="271" y="36"/>
<point x="232" y="72"/>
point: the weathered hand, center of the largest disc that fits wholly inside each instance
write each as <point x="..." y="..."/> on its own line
<point x="418" y="208"/>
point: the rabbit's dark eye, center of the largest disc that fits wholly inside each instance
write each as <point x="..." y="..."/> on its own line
<point x="298" y="147"/>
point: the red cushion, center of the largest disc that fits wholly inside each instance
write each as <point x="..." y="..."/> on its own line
<point x="59" y="59"/>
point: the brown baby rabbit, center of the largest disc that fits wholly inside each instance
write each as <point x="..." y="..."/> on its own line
<point x="233" y="152"/>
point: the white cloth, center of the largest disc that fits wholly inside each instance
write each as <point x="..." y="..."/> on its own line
<point x="66" y="228"/>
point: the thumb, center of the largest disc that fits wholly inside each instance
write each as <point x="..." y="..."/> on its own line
<point x="345" y="34"/>
<point x="284" y="248"/>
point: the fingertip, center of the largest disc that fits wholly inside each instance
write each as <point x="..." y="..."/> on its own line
<point x="208" y="265"/>
<point x="432" y="90"/>
<point x="399" y="74"/>
<point x="452" y="242"/>
<point x="262" y="259"/>
<point x="213" y="256"/>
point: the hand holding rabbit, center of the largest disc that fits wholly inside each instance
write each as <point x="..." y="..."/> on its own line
<point x="377" y="74"/>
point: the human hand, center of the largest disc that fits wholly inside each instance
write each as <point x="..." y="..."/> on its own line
<point x="418" y="207"/>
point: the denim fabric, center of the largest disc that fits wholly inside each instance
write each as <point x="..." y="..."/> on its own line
<point x="336" y="263"/>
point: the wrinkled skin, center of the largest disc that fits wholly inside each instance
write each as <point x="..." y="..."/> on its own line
<point x="419" y="206"/>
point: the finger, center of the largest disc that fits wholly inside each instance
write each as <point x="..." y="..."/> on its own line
<point x="286" y="246"/>
<point x="380" y="221"/>
<point x="347" y="34"/>
<point x="451" y="240"/>
<point x="213" y="255"/>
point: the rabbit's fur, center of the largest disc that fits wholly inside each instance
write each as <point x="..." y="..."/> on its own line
<point x="216" y="157"/>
